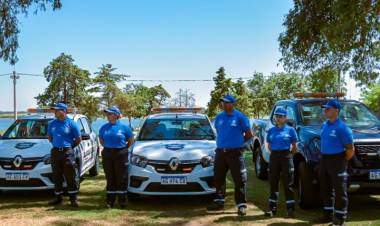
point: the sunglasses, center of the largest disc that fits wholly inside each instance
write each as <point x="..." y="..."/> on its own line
<point x="280" y="116"/>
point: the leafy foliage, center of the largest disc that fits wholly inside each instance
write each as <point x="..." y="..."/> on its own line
<point x="371" y="97"/>
<point x="341" y="34"/>
<point x="10" y="10"/>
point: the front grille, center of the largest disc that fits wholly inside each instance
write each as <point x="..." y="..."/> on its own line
<point x="33" y="182"/>
<point x="368" y="156"/>
<point x="189" y="187"/>
<point x="183" y="167"/>
<point x="27" y="163"/>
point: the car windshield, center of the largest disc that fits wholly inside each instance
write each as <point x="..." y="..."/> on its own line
<point x="354" y="114"/>
<point x="176" y="129"/>
<point x="27" y="129"/>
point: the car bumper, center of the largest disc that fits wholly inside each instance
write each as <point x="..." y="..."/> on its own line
<point x="40" y="178"/>
<point x="359" y="180"/>
<point x="146" y="181"/>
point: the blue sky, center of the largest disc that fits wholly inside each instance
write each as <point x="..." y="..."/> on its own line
<point x="150" y="39"/>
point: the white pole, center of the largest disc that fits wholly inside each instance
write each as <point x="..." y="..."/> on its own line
<point x="14" y="77"/>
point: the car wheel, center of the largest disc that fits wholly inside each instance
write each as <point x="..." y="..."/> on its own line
<point x="307" y="191"/>
<point x="261" y="167"/>
<point x="133" y="197"/>
<point x="94" y="171"/>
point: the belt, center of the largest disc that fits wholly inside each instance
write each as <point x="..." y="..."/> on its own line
<point x="62" y="149"/>
<point x="339" y="155"/>
<point x="281" y="151"/>
<point x="229" y="149"/>
<point x="115" y="149"/>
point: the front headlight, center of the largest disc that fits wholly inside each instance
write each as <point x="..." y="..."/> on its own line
<point x="207" y="161"/>
<point x="139" y="161"/>
<point x="47" y="159"/>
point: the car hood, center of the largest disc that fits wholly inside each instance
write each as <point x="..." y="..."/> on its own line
<point x="27" y="148"/>
<point x="359" y="133"/>
<point x="183" y="150"/>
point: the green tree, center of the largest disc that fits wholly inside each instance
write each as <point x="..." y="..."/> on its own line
<point x="342" y="33"/>
<point x="105" y="83"/>
<point x="67" y="82"/>
<point x="325" y="80"/>
<point x="10" y="11"/>
<point x="371" y="97"/>
<point x="223" y="86"/>
<point x="130" y="105"/>
<point x="241" y="92"/>
<point x="265" y="92"/>
<point x="149" y="97"/>
<point x="255" y="87"/>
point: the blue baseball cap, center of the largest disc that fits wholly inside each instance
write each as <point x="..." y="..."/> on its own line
<point x="60" y="106"/>
<point x="333" y="104"/>
<point x="114" y="110"/>
<point x="280" y="111"/>
<point x="228" y="99"/>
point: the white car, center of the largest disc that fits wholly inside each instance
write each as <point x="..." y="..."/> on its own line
<point x="173" y="155"/>
<point x="25" y="153"/>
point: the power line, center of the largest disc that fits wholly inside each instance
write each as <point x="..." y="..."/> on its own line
<point x="182" y="80"/>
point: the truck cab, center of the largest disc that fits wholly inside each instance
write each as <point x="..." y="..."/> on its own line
<point x="305" y="114"/>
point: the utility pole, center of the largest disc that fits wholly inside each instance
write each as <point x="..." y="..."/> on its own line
<point x="14" y="76"/>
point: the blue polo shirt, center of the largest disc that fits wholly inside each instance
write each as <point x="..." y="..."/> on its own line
<point x="115" y="135"/>
<point x="281" y="138"/>
<point x="63" y="132"/>
<point x="230" y="129"/>
<point x="334" y="137"/>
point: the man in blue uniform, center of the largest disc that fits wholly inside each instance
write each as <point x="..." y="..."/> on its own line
<point x="233" y="130"/>
<point x="336" y="149"/>
<point x="116" y="138"/>
<point x="64" y="135"/>
<point x="282" y="145"/>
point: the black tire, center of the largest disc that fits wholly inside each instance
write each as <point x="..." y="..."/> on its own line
<point x="261" y="167"/>
<point x="133" y="197"/>
<point x="94" y="171"/>
<point x="308" y="197"/>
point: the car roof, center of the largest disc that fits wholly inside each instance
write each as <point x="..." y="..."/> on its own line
<point x="177" y="115"/>
<point x="47" y="116"/>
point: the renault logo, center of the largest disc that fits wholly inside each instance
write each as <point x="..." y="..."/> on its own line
<point x="173" y="164"/>
<point x="17" y="161"/>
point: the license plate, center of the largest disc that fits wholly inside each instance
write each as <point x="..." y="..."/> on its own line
<point x="173" y="180"/>
<point x="374" y="174"/>
<point x="16" y="176"/>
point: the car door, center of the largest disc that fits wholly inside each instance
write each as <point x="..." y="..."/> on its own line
<point x="86" y="145"/>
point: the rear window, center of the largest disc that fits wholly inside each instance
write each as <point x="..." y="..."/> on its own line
<point x="177" y="129"/>
<point x="27" y="129"/>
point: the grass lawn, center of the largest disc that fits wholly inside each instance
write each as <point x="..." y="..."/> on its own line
<point x="29" y="208"/>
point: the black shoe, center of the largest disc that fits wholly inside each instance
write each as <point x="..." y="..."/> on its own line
<point x="74" y="203"/>
<point x="270" y="213"/>
<point x="56" y="201"/>
<point x="338" y="222"/>
<point x="122" y="205"/>
<point x="215" y="207"/>
<point x="323" y="219"/>
<point x="242" y="211"/>
<point x="290" y="213"/>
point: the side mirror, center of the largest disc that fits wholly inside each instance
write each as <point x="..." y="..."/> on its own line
<point x="291" y="123"/>
<point x="85" y="136"/>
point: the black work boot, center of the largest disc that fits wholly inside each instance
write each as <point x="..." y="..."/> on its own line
<point x="74" y="203"/>
<point x="271" y="213"/>
<point x="339" y="222"/>
<point x="242" y="211"/>
<point x="290" y="213"/>
<point x="56" y="201"/>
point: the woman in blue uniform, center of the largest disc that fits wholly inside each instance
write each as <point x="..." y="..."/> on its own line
<point x="282" y="145"/>
<point x="116" y="138"/>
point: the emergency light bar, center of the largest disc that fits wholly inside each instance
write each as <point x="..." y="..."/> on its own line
<point x="177" y="110"/>
<point x="47" y="110"/>
<point x="318" y="95"/>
